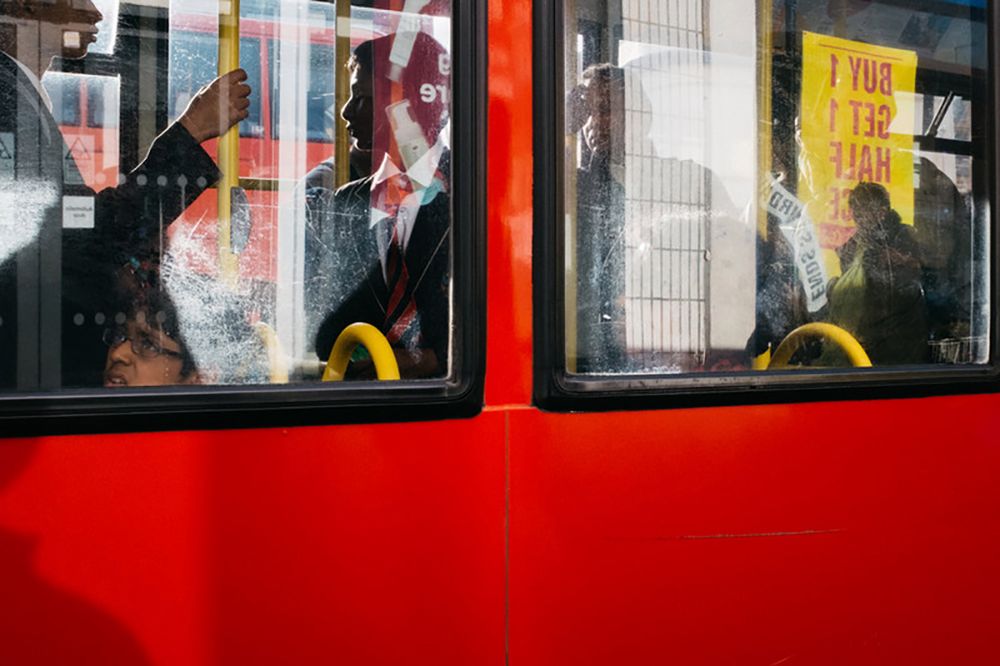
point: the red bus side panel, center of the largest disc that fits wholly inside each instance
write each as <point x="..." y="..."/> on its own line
<point x="850" y="533"/>
<point x="320" y="545"/>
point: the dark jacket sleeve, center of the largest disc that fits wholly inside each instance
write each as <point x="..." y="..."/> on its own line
<point x="433" y="296"/>
<point x="359" y="306"/>
<point x="340" y="256"/>
<point x="132" y="217"/>
<point x="174" y="173"/>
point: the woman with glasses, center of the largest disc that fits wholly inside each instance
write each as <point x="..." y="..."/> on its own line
<point x="145" y="347"/>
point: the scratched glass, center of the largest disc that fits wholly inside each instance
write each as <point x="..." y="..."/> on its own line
<point x="126" y="202"/>
<point x="775" y="184"/>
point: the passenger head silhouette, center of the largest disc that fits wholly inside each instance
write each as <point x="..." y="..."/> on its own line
<point x="397" y="109"/>
<point x="64" y="27"/>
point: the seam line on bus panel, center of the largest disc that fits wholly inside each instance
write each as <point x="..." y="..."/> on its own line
<point x="514" y="407"/>
<point x="506" y="539"/>
<point x="750" y="535"/>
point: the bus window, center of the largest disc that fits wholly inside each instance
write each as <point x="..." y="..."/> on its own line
<point x="306" y="267"/>
<point x="773" y="184"/>
<point x="102" y="102"/>
<point x="945" y="116"/>
<point x="86" y="109"/>
<point x="321" y="106"/>
<point x="227" y="256"/>
<point x="64" y="93"/>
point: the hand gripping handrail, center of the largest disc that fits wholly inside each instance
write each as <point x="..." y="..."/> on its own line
<point x="845" y="341"/>
<point x="378" y="347"/>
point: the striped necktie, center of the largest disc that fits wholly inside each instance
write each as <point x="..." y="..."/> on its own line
<point x="401" y="309"/>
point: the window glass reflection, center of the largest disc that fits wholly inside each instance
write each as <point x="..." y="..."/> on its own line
<point x="293" y="178"/>
<point x="738" y="171"/>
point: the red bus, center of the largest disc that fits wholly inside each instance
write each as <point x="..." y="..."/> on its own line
<point x="607" y="472"/>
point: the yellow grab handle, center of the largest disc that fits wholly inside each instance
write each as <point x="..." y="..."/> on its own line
<point x="762" y="361"/>
<point x="378" y="347"/>
<point x="835" y="334"/>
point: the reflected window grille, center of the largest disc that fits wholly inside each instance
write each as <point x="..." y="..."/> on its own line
<point x="668" y="200"/>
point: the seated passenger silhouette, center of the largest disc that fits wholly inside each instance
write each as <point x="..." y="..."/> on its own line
<point x="55" y="267"/>
<point x="942" y="223"/>
<point x="383" y="251"/>
<point x="879" y="297"/>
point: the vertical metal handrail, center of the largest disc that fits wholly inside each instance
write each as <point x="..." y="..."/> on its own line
<point x="765" y="55"/>
<point x="343" y="91"/>
<point x="229" y="143"/>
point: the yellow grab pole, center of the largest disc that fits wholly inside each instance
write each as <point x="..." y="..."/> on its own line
<point x="765" y="55"/>
<point x="229" y="143"/>
<point x="570" y="268"/>
<point x="376" y="344"/>
<point x="845" y="341"/>
<point x="342" y="163"/>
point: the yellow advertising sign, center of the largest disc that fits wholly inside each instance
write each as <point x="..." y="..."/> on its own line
<point x="857" y="125"/>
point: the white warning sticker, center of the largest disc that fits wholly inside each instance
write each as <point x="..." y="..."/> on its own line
<point x="7" y="156"/>
<point x="78" y="162"/>
<point x="78" y="212"/>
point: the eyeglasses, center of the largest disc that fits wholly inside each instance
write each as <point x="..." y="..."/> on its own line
<point x="143" y="345"/>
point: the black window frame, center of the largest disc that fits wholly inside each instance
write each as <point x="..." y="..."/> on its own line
<point x="80" y="411"/>
<point x="557" y="390"/>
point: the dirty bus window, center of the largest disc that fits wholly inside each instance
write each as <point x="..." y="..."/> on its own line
<point x="214" y="197"/>
<point x="774" y="184"/>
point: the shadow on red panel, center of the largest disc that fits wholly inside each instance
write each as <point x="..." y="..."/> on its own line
<point x="40" y="623"/>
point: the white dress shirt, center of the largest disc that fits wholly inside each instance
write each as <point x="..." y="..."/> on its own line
<point x="422" y="176"/>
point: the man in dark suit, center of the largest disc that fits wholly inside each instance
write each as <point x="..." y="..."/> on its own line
<point x="59" y="251"/>
<point x="385" y="246"/>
